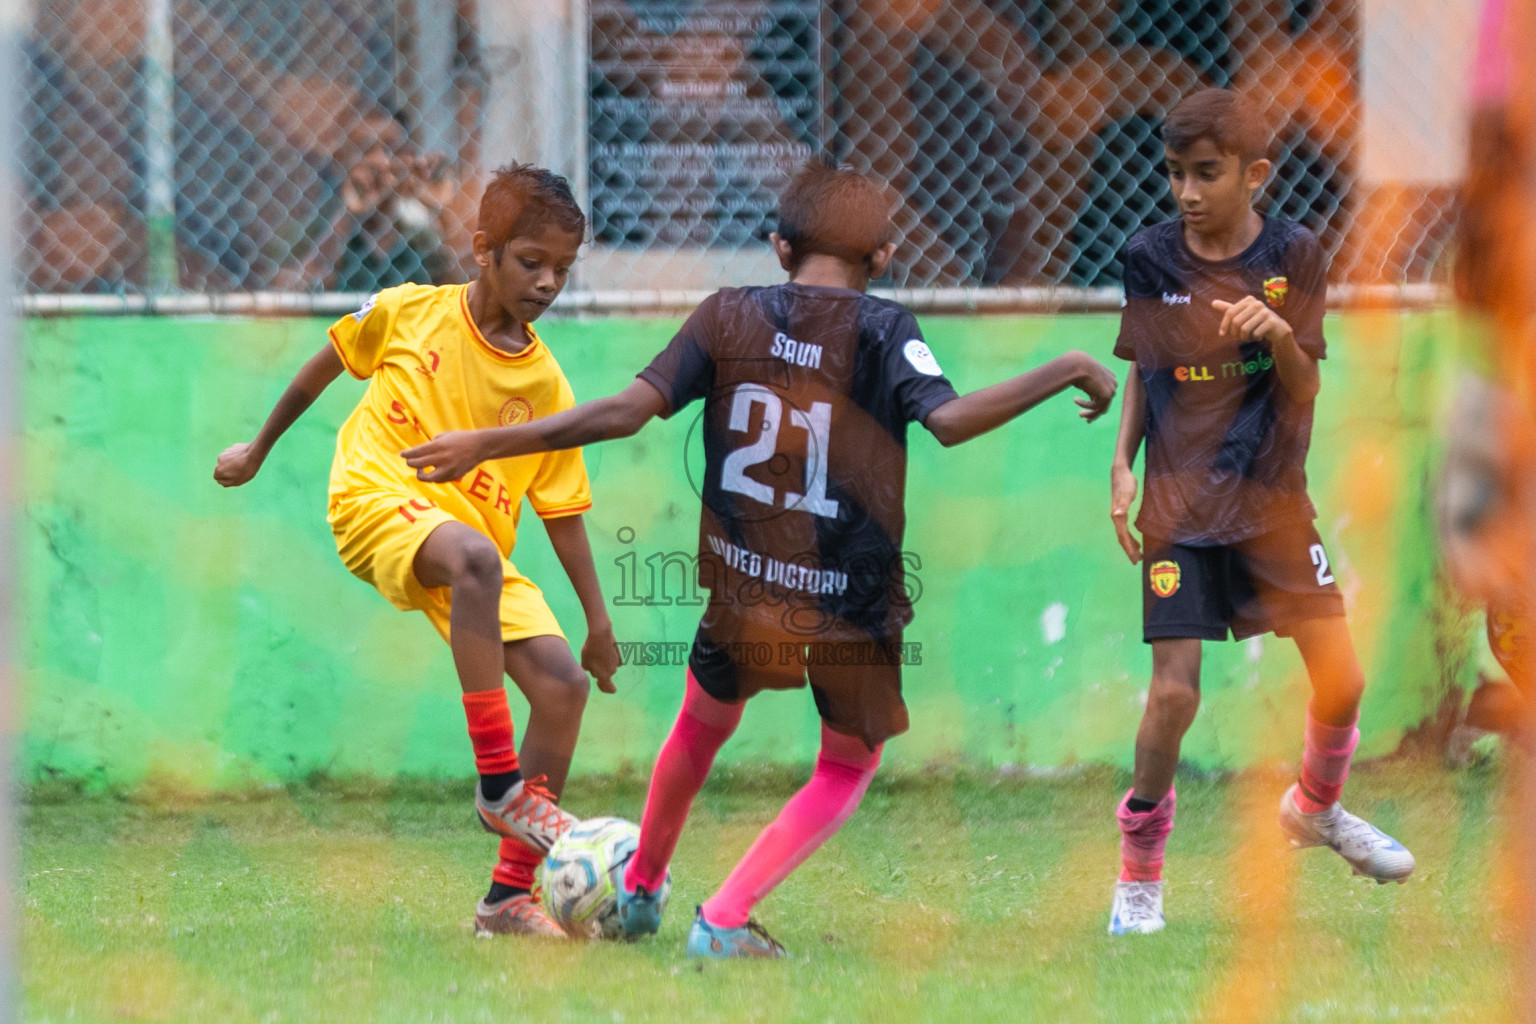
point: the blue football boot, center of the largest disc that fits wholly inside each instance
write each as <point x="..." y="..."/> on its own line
<point x="640" y="911"/>
<point x="751" y="940"/>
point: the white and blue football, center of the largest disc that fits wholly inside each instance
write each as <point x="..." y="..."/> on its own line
<point x="581" y="875"/>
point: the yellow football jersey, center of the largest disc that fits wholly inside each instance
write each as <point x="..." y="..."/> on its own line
<point x="430" y="370"/>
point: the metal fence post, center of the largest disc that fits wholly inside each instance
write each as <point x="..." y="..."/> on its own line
<point x="433" y="28"/>
<point x="160" y="144"/>
<point x="12" y="19"/>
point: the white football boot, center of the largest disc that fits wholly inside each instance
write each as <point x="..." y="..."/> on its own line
<point x="1138" y="908"/>
<point x="1370" y="851"/>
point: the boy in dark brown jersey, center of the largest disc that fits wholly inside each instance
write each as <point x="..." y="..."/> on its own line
<point x="1223" y="325"/>
<point x="808" y="388"/>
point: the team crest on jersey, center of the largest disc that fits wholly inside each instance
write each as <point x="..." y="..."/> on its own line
<point x="515" y="410"/>
<point x="1165" y="578"/>
<point x="1274" y="291"/>
<point x="366" y="308"/>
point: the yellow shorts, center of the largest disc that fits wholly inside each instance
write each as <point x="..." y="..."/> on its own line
<point x="378" y="533"/>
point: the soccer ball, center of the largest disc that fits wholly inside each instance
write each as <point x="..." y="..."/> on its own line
<point x="581" y="875"/>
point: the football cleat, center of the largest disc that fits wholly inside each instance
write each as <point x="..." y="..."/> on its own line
<point x="640" y="911"/>
<point x="515" y="915"/>
<point x="750" y="941"/>
<point x="1138" y="908"/>
<point x="1370" y="851"/>
<point x="527" y="812"/>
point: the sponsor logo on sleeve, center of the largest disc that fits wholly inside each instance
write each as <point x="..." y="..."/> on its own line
<point x="921" y="358"/>
<point x="367" y="308"/>
<point x="1274" y="291"/>
<point x="1165" y="578"/>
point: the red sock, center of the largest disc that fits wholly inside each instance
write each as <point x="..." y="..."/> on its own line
<point x="1325" y="757"/>
<point x="1143" y="837"/>
<point x="490" y="731"/>
<point x="843" y="772"/>
<point x="517" y="864"/>
<point x="702" y="727"/>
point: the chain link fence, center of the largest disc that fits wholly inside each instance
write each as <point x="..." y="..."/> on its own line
<point x="322" y="146"/>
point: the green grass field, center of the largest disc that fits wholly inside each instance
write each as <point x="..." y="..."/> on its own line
<point x="948" y="897"/>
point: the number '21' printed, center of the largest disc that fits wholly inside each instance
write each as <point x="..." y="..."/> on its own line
<point x="817" y="425"/>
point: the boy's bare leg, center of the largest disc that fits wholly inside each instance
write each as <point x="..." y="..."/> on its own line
<point x="463" y="559"/>
<point x="557" y="688"/>
<point x="1331" y="736"/>
<point x="1337" y="681"/>
<point x="1146" y="811"/>
<point x="466" y="561"/>
<point x="1172" y="701"/>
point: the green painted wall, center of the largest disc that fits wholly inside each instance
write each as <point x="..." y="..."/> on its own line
<point x="181" y="634"/>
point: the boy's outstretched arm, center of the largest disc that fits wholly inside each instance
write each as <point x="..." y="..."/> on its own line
<point x="599" y="654"/>
<point x="1122" y="478"/>
<point x="455" y="453"/>
<point x="240" y="462"/>
<point x="963" y="418"/>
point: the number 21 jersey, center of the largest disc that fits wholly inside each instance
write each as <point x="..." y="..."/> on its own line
<point x="807" y="395"/>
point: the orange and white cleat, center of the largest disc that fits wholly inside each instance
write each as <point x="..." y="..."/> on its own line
<point x="527" y="812"/>
<point x="515" y="915"/>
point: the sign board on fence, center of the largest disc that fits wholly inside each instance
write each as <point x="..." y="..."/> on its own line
<point x="697" y="115"/>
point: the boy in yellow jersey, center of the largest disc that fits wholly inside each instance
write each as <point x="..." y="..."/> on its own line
<point x="456" y="358"/>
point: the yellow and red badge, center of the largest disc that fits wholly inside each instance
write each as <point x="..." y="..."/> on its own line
<point x="1165" y="578"/>
<point x="515" y="410"/>
<point x="1274" y="291"/>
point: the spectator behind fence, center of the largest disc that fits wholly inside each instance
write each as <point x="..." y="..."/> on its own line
<point x="393" y="224"/>
<point x="82" y="159"/>
<point x="262" y="123"/>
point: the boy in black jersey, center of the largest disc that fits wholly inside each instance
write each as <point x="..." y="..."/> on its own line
<point x="808" y="388"/>
<point x="1223" y="324"/>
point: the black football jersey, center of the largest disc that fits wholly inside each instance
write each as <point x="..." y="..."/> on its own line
<point x="807" y="395"/>
<point x="1226" y="444"/>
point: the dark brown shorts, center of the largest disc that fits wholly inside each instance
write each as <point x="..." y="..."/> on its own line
<point x="1265" y="584"/>
<point x="856" y="682"/>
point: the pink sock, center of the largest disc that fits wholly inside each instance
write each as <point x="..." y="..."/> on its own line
<point x="1325" y="758"/>
<point x="1143" y="837"/>
<point x="843" y="772"/>
<point x="702" y="727"/>
<point x="1493" y="63"/>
